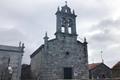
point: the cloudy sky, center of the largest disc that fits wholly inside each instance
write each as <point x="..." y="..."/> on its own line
<point x="28" y="20"/>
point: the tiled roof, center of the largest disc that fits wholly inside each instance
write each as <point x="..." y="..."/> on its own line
<point x="93" y="65"/>
<point x="116" y="66"/>
<point x="37" y="51"/>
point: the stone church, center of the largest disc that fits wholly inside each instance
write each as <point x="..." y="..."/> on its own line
<point x="63" y="57"/>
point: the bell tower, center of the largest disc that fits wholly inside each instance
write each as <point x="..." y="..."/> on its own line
<point x="65" y="22"/>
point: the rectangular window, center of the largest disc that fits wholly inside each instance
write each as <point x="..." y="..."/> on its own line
<point x="68" y="73"/>
<point x="69" y="30"/>
<point x="62" y="29"/>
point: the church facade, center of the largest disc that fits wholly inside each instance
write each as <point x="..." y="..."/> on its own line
<point x="63" y="57"/>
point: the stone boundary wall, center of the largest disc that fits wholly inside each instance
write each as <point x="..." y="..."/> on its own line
<point x="90" y="79"/>
<point x="106" y="79"/>
<point x="82" y="79"/>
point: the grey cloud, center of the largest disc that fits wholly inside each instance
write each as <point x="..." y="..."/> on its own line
<point x="11" y="35"/>
<point x="106" y="39"/>
<point x="106" y="30"/>
<point x="107" y="24"/>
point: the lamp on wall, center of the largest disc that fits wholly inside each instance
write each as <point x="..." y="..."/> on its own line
<point x="10" y="72"/>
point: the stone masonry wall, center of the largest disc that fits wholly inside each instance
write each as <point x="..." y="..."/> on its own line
<point x="57" y="58"/>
